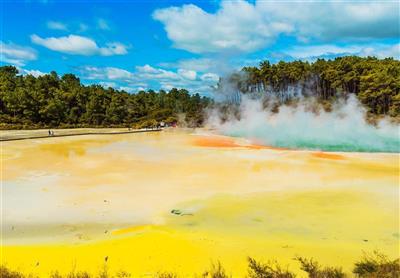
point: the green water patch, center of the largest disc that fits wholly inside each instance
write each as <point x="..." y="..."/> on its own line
<point x="371" y="141"/>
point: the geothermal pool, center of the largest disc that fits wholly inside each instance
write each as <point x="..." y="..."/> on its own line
<point x="69" y="203"/>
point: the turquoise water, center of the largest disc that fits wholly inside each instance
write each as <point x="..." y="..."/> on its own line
<point x="316" y="133"/>
<point x="389" y="145"/>
<point x="343" y="129"/>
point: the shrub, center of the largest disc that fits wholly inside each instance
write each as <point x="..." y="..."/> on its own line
<point x="122" y="274"/>
<point x="377" y="265"/>
<point x="314" y="270"/>
<point x="166" y="275"/>
<point x="261" y="270"/>
<point x="6" y="273"/>
<point x="55" y="274"/>
<point x="216" y="271"/>
<point x="82" y="274"/>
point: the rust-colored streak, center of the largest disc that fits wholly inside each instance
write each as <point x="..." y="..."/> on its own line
<point x="215" y="142"/>
<point x="262" y="147"/>
<point x="328" y="155"/>
<point x="227" y="142"/>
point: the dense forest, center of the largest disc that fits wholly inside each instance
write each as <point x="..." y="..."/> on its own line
<point x="53" y="101"/>
<point x="375" y="82"/>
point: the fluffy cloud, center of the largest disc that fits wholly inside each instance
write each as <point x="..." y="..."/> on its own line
<point x="35" y="73"/>
<point x="382" y="51"/>
<point x="188" y="74"/>
<point x="106" y="84"/>
<point x="329" y="20"/>
<point x="209" y="77"/>
<point x="79" y="45"/>
<point x="149" y="72"/>
<point x="236" y="26"/>
<point x="328" y="50"/>
<point x="181" y="78"/>
<point x="150" y="77"/>
<point x="132" y="89"/>
<point x="197" y="64"/>
<point x="219" y="64"/>
<point x="56" y="25"/>
<point x="246" y="27"/>
<point x="16" y="54"/>
<point x="106" y="73"/>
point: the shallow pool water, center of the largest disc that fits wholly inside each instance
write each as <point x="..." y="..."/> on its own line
<point x="176" y="200"/>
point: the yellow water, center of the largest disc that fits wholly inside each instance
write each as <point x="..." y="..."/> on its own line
<point x="68" y="203"/>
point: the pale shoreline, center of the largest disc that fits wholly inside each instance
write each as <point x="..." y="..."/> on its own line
<point x="25" y="134"/>
<point x="8" y="135"/>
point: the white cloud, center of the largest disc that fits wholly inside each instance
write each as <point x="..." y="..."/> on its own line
<point x="181" y="78"/>
<point x="16" y="54"/>
<point x="56" y="25"/>
<point x="301" y="52"/>
<point x="209" y="77"/>
<point x="236" y="26"/>
<point x="382" y="51"/>
<point x="329" y="20"/>
<point x="79" y="45"/>
<point x="106" y="73"/>
<point x="116" y="73"/>
<point x="246" y="27"/>
<point x="132" y="89"/>
<point x="106" y="84"/>
<point x="218" y="64"/>
<point x="326" y="50"/>
<point x="35" y="73"/>
<point x="197" y="64"/>
<point x="114" y="48"/>
<point x="148" y="76"/>
<point x="148" y="71"/>
<point x="188" y="74"/>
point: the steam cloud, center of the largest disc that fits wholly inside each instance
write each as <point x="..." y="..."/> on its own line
<point x="342" y="129"/>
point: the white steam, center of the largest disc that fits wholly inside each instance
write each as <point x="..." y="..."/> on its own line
<point x="342" y="129"/>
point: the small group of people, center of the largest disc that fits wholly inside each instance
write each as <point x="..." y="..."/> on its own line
<point x="51" y="133"/>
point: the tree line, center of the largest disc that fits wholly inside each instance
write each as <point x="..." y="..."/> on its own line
<point x="53" y="101"/>
<point x="63" y="101"/>
<point x="375" y="82"/>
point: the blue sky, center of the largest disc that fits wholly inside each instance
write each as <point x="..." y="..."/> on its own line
<point x="134" y="45"/>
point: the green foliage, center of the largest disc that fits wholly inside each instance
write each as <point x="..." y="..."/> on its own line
<point x="166" y="275"/>
<point x="53" y="101"/>
<point x="7" y="273"/>
<point x="375" y="82"/>
<point x="377" y="265"/>
<point x="82" y="274"/>
<point x="314" y="270"/>
<point x="261" y="270"/>
<point x="216" y="271"/>
<point x="123" y="274"/>
<point x="104" y="271"/>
